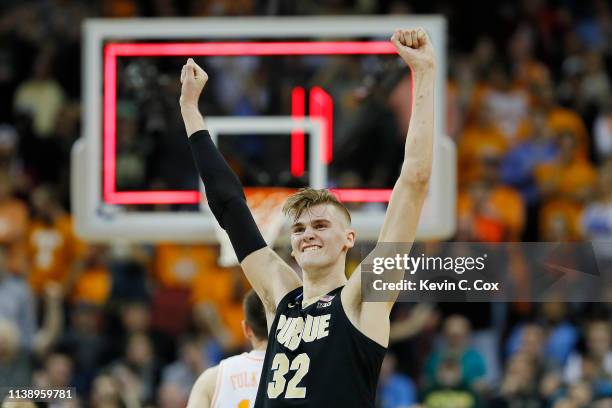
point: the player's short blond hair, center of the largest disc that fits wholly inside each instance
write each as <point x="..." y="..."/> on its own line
<point x="306" y="198"/>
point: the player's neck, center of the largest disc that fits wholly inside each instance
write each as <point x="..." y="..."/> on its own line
<point x="259" y="344"/>
<point x="319" y="282"/>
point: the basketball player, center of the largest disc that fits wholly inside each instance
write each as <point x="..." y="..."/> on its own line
<point x="325" y="345"/>
<point x="233" y="383"/>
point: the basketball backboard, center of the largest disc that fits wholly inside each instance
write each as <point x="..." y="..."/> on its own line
<point x="104" y="212"/>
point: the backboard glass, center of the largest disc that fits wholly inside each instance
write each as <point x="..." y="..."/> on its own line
<point x="104" y="212"/>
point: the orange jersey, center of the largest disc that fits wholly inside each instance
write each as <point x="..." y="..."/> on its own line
<point x="219" y="287"/>
<point x="178" y="265"/>
<point x="51" y="251"/>
<point x="504" y="212"/>
<point x="475" y="143"/>
<point x="560" y="218"/>
<point x="569" y="180"/>
<point x="560" y="119"/>
<point x="195" y="267"/>
<point x="92" y="286"/>
<point x="14" y="219"/>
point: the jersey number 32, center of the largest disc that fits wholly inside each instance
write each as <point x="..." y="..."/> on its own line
<point x="280" y="367"/>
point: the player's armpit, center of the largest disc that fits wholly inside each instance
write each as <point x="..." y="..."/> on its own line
<point x="370" y="318"/>
<point x="397" y="234"/>
<point x="270" y="277"/>
<point x="203" y="390"/>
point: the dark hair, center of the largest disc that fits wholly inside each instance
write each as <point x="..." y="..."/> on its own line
<point x="255" y="315"/>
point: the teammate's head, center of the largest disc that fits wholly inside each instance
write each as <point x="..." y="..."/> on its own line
<point x="321" y="228"/>
<point x="254" y="324"/>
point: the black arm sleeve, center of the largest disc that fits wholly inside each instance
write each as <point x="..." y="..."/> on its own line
<point x="225" y="196"/>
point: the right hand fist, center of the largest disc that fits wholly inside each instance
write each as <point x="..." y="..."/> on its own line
<point x="414" y="46"/>
<point x="193" y="80"/>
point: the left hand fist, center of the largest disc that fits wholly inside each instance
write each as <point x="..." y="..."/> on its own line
<point x="193" y="80"/>
<point x="414" y="46"/>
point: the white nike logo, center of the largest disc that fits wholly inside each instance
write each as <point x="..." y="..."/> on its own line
<point x="291" y="305"/>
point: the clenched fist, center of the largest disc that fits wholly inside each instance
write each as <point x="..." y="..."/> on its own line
<point x="414" y="46"/>
<point x="193" y="80"/>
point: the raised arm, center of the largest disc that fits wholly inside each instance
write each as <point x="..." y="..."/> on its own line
<point x="410" y="190"/>
<point x="269" y="275"/>
<point x="411" y="187"/>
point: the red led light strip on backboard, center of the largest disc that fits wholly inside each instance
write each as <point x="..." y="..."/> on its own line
<point x="112" y="51"/>
<point x="322" y="105"/>
<point x="298" y="108"/>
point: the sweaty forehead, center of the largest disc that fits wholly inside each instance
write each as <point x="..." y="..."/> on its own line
<point x="321" y="211"/>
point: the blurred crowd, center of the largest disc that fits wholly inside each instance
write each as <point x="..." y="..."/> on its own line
<point x="529" y="108"/>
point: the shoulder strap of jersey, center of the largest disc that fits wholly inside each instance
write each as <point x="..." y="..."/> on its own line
<point x="294" y="296"/>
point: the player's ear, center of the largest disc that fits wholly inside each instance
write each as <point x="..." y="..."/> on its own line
<point x="246" y="330"/>
<point x="350" y="238"/>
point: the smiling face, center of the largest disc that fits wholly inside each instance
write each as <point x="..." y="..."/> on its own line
<point x="320" y="236"/>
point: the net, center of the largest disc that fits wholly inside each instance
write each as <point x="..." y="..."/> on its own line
<point x="265" y="205"/>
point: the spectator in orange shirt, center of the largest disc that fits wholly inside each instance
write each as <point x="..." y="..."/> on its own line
<point x="489" y="211"/>
<point x="559" y="221"/>
<point x="570" y="176"/>
<point x="217" y="298"/>
<point x="91" y="283"/>
<point x="216" y="292"/>
<point x="483" y="138"/>
<point x="178" y="265"/>
<point x="565" y="183"/>
<point x="13" y="223"/>
<point x="561" y="120"/>
<point x="51" y="244"/>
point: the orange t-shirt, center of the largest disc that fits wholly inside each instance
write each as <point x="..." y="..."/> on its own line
<point x="93" y="286"/>
<point x="560" y="119"/>
<point x="195" y="267"/>
<point x="218" y="287"/>
<point x="504" y="214"/>
<point x="476" y="99"/>
<point x="474" y="143"/>
<point x="176" y="266"/>
<point x="51" y="251"/>
<point x="233" y="315"/>
<point x="560" y="213"/>
<point x="569" y="180"/>
<point x="14" y="220"/>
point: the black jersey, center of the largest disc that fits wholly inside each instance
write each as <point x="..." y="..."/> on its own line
<point x="317" y="358"/>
